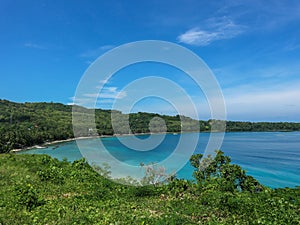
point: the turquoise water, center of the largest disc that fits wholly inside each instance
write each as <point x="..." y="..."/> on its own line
<point x="271" y="157"/>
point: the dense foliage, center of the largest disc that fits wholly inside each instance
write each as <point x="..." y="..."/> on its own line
<point x="41" y="190"/>
<point x="36" y="189"/>
<point x="28" y="124"/>
<point x="261" y="126"/>
<point x="226" y="176"/>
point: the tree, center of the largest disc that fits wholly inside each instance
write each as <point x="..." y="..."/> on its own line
<point x="226" y="176"/>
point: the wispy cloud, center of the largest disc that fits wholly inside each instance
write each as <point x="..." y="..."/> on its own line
<point x="106" y="95"/>
<point x="216" y="29"/>
<point x="107" y="92"/>
<point x="291" y="47"/>
<point x="262" y="15"/>
<point x="106" y="47"/>
<point x="96" y="52"/>
<point x="241" y="72"/>
<point x="33" y="45"/>
<point x="262" y="101"/>
<point x="82" y="101"/>
<point x="102" y="83"/>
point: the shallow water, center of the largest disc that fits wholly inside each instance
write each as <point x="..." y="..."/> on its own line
<point x="271" y="157"/>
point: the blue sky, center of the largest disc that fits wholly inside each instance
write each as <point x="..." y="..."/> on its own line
<point x="252" y="47"/>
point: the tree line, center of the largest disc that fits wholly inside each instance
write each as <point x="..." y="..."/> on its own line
<point x="28" y="124"/>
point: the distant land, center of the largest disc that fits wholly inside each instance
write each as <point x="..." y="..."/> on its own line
<point x="33" y="123"/>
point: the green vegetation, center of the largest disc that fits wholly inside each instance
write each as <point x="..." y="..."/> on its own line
<point x="36" y="189"/>
<point x="222" y="174"/>
<point x="261" y="126"/>
<point x="28" y="124"/>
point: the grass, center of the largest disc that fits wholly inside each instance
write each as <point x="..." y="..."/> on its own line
<point x="37" y="189"/>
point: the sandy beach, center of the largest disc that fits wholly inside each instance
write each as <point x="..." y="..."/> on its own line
<point x="44" y="145"/>
<point x="54" y="142"/>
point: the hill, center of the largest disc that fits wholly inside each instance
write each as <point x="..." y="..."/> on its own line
<point x="28" y="124"/>
<point x="36" y="189"/>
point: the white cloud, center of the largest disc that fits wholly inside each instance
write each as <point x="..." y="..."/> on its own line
<point x="96" y="52"/>
<point x="291" y="47"/>
<point x="106" y="95"/>
<point x="33" y="45"/>
<point x="199" y="37"/>
<point x="82" y="101"/>
<point x="111" y="92"/>
<point x="102" y="83"/>
<point x="255" y="102"/>
<point x="217" y="29"/>
<point x="106" y="47"/>
<point x="107" y="92"/>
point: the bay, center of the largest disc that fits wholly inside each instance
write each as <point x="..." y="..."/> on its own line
<point x="273" y="158"/>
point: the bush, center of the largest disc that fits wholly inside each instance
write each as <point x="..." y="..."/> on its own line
<point x="226" y="176"/>
<point x="27" y="196"/>
<point x="144" y="191"/>
<point x="52" y="173"/>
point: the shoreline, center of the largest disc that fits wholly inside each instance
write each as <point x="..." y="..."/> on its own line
<point x="44" y="145"/>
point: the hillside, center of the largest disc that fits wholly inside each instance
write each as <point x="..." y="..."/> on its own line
<point x="28" y="124"/>
<point x="36" y="189"/>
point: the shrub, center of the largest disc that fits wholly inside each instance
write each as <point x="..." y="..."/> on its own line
<point x="227" y="177"/>
<point x="27" y="196"/>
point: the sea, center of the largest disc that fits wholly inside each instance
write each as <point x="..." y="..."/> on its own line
<point x="273" y="158"/>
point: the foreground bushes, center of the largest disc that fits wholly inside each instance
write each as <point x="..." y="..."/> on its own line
<point x="37" y="189"/>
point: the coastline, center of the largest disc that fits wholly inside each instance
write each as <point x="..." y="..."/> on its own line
<point x="44" y="145"/>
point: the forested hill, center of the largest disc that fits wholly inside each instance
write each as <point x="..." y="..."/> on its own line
<point x="27" y="124"/>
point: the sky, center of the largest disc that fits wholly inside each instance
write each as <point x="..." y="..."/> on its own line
<point x="252" y="48"/>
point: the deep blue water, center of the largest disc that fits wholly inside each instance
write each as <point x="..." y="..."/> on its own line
<point x="271" y="157"/>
